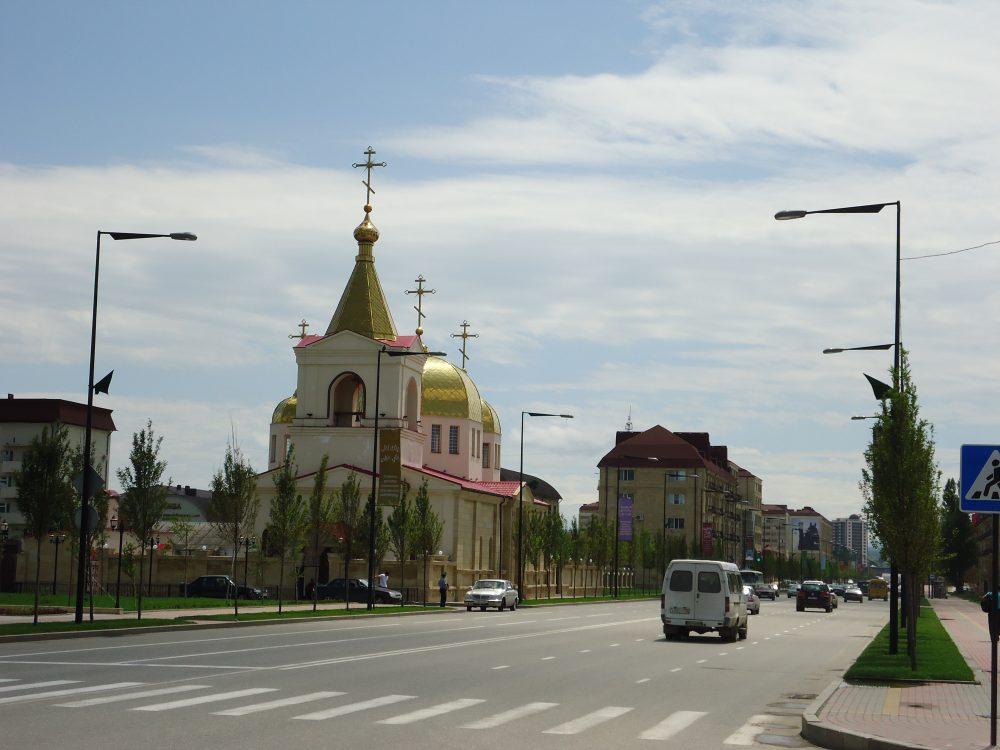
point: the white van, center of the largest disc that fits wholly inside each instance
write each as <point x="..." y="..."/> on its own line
<point x="703" y="595"/>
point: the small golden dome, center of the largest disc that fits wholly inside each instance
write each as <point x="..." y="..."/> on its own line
<point x="448" y="391"/>
<point x="366" y="231"/>
<point x="491" y="420"/>
<point x="284" y="412"/>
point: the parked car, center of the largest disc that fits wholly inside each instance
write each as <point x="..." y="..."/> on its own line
<point x="357" y="589"/>
<point x="814" y="595"/>
<point x="793" y="589"/>
<point x="491" y="592"/>
<point x="753" y="601"/>
<point x="703" y="596"/>
<point x="222" y="587"/>
<point x="853" y="594"/>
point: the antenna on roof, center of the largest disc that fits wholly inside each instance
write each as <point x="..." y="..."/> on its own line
<point x="628" y="421"/>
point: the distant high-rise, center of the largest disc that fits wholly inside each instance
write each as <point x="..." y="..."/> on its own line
<point x="852" y="533"/>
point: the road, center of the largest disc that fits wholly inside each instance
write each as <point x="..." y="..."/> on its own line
<point x="590" y="676"/>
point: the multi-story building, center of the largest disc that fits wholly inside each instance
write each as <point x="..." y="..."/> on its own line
<point x="790" y="532"/>
<point x="851" y="533"/>
<point x="776" y="524"/>
<point x="22" y="419"/>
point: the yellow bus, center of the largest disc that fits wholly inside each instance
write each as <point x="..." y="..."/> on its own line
<point x="878" y="589"/>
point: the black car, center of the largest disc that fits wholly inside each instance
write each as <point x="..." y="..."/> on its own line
<point x="222" y="587"/>
<point x="357" y="589"/>
<point x="814" y="594"/>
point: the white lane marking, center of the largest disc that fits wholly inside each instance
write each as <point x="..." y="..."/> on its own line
<point x="644" y="679"/>
<point x="132" y="696"/>
<point x="68" y="691"/>
<point x="10" y="679"/>
<point x="585" y="651"/>
<point x="548" y="658"/>
<point x="128" y="664"/>
<point x="677" y="669"/>
<point x="502" y="666"/>
<point x="507" y="716"/>
<point x="589" y="720"/>
<point x="613" y="645"/>
<point x="702" y="661"/>
<point x="438" y="710"/>
<point x="557" y="619"/>
<point x="603" y="614"/>
<point x="745" y="734"/>
<point x="676" y="722"/>
<point x="639" y="640"/>
<point x="213" y="698"/>
<point x="740" y="648"/>
<point x="755" y="643"/>
<point x="351" y="708"/>
<point x="30" y="685"/>
<point x="767" y="638"/>
<point x="723" y="653"/>
<point x="280" y="703"/>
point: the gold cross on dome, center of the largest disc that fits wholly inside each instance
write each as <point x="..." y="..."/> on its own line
<point x="368" y="165"/>
<point x="302" y="331"/>
<point x="465" y="336"/>
<point x="419" y="307"/>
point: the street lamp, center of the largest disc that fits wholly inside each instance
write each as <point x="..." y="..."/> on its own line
<point x="56" y="538"/>
<point x="119" y="526"/>
<point x="873" y="416"/>
<point x="520" y="504"/>
<point x="371" y="503"/>
<point x="153" y="542"/>
<point x="246" y="542"/>
<point x="81" y="565"/>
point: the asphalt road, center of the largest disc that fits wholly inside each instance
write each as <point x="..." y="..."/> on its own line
<point x="580" y="676"/>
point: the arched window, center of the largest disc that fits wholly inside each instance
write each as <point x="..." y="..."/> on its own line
<point x="412" y="412"/>
<point x="346" y="404"/>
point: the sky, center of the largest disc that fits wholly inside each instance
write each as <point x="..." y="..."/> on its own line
<point x="591" y="185"/>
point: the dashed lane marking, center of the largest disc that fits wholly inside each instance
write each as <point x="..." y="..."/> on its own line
<point x="280" y="703"/>
<point x="640" y="682"/>
<point x="588" y="721"/>
<point x="438" y="710"/>
<point x="676" y="722"/>
<point x="351" y="708"/>
<point x="213" y="698"/>
<point x="513" y="714"/>
<point x="132" y="696"/>
<point x="68" y="691"/>
<point x="32" y="685"/>
<point x="502" y="666"/>
<point x="677" y="669"/>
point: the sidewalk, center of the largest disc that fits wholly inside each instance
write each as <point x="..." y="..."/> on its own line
<point x="929" y="715"/>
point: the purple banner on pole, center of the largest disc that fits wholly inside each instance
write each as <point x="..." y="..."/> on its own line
<point x="625" y="518"/>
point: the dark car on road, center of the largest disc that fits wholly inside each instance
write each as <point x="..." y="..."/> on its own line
<point x="357" y="589"/>
<point x="814" y="595"/>
<point x="853" y="594"/>
<point x="222" y="587"/>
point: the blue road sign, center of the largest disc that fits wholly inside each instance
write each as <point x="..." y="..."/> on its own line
<point x="980" y="488"/>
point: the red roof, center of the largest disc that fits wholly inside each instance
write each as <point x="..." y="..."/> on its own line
<point x="49" y="410"/>
<point x="401" y="342"/>
<point x="669" y="450"/>
<point x="312" y="338"/>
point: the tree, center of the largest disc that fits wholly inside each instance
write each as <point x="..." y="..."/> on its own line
<point x="45" y="490"/>
<point x="351" y="517"/>
<point x="232" y="511"/>
<point x="144" y="495"/>
<point x="647" y="554"/>
<point x="574" y="548"/>
<point x="959" y="550"/>
<point x="181" y="532"/>
<point x="319" y="516"/>
<point x="599" y="545"/>
<point x="900" y="482"/>
<point x="428" y="529"/>
<point x="286" y="522"/>
<point x="556" y="549"/>
<point x="400" y="531"/>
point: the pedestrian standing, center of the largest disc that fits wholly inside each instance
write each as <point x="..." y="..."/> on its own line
<point x="383" y="579"/>
<point x="443" y="587"/>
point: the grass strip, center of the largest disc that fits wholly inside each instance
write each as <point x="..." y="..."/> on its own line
<point x="938" y="658"/>
<point x="25" y="628"/>
<point x="298" y="614"/>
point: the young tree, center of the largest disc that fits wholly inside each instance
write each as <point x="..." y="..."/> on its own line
<point x="144" y="495"/>
<point x="287" y="518"/>
<point x="428" y="529"/>
<point x="556" y="549"/>
<point x="319" y="516"/>
<point x="600" y="544"/>
<point x="232" y="511"/>
<point x="959" y="550"/>
<point x="181" y="533"/>
<point x="351" y="516"/>
<point x="574" y="548"/>
<point x="400" y="532"/>
<point x="45" y="489"/>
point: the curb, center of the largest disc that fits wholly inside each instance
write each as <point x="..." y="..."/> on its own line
<point x="834" y="738"/>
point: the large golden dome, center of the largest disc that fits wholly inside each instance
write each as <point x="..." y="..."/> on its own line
<point x="284" y="412"/>
<point x="448" y="391"/>
<point x="491" y="420"/>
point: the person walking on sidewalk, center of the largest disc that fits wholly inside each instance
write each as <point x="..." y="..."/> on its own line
<point x="383" y="580"/>
<point x="443" y="587"/>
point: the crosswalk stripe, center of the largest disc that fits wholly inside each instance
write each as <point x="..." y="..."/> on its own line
<point x="280" y="703"/>
<point x="506" y="716"/>
<point x="8" y="679"/>
<point x="676" y="722"/>
<point x="745" y="734"/>
<point x="350" y="708"/>
<point x="131" y="696"/>
<point x="589" y="720"/>
<point x="213" y="698"/>
<point x="427" y="713"/>
<point x="67" y="691"/>
<point x="30" y="685"/>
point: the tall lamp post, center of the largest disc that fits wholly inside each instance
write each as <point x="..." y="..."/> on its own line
<point x="153" y="542"/>
<point x="56" y="538"/>
<point x="520" y="503"/>
<point x="119" y="526"/>
<point x="247" y="543"/>
<point x="81" y="566"/>
<point x="874" y="208"/>
<point x="372" y="507"/>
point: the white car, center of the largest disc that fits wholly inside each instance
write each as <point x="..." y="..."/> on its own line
<point x="753" y="601"/>
<point x="491" y="592"/>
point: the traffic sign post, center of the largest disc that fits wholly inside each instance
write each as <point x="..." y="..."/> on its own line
<point x="980" y="493"/>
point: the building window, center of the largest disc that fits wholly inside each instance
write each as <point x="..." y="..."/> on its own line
<point x="675" y="523"/>
<point x="486" y="455"/>
<point x="497" y="462"/>
<point x="626" y="475"/>
<point x="677" y="498"/>
<point x="453" y="440"/>
<point x="288" y="446"/>
<point x="435" y="438"/>
<point x="4" y="507"/>
<point x="7" y="455"/>
<point x="274" y="443"/>
<point x="7" y="481"/>
<point x="678" y="475"/>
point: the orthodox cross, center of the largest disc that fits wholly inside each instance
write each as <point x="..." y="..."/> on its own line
<point x="302" y="331"/>
<point x="368" y="166"/>
<point x="465" y="336"/>
<point x="419" y="307"/>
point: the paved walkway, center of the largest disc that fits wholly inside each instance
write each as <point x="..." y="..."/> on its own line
<point x="933" y="715"/>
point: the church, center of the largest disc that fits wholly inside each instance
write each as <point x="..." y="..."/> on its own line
<point x="433" y="424"/>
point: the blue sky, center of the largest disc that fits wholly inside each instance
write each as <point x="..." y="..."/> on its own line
<point x="590" y="184"/>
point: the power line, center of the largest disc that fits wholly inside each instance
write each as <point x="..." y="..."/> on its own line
<point x="951" y="252"/>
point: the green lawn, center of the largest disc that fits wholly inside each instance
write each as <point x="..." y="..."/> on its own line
<point x="301" y="613"/>
<point x="22" y="628"/>
<point x="128" y="603"/>
<point x="938" y="657"/>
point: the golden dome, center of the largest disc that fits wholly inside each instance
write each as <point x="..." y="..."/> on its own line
<point x="491" y="420"/>
<point x="366" y="232"/>
<point x="284" y="412"/>
<point x="448" y="391"/>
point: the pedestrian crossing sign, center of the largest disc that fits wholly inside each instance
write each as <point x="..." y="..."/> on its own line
<point x="980" y="478"/>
